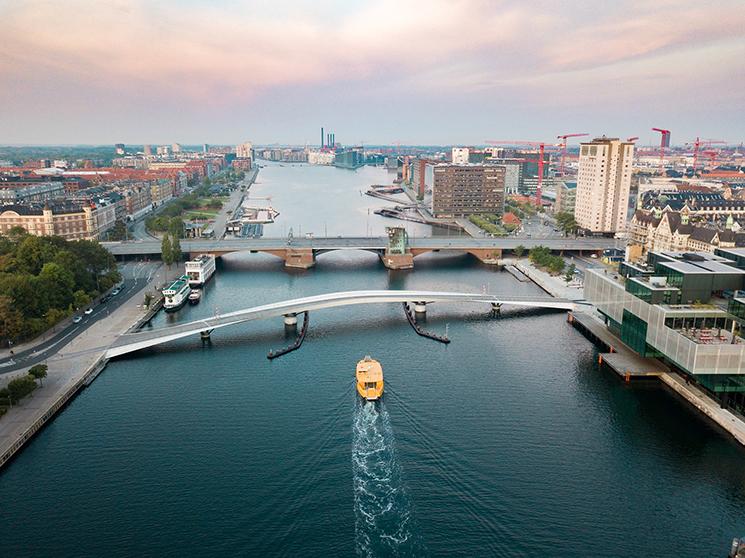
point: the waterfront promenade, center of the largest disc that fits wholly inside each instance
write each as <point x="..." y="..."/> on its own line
<point x="68" y="369"/>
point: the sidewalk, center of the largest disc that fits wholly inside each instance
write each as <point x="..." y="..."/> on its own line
<point x="555" y="286"/>
<point x="69" y="366"/>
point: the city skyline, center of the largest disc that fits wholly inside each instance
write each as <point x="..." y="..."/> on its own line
<point x="383" y="72"/>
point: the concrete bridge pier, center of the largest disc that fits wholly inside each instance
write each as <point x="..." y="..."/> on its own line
<point x="290" y="322"/>
<point x="496" y="308"/>
<point x="489" y="256"/>
<point x="398" y="261"/>
<point x="205" y="335"/>
<point x="420" y="310"/>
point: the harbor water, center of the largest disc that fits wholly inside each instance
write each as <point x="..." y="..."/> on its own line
<point x="509" y="441"/>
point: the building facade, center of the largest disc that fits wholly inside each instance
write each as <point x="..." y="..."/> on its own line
<point x="461" y="190"/>
<point x="459" y="155"/>
<point x="71" y="222"/>
<point x="603" y="185"/>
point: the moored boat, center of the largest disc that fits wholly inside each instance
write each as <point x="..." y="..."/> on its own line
<point x="194" y="297"/>
<point x="200" y="269"/>
<point x="176" y="294"/>
<point x="369" y="379"/>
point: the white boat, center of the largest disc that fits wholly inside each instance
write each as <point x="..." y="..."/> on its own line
<point x="249" y="214"/>
<point x="194" y="297"/>
<point x="176" y="294"/>
<point x="200" y="269"/>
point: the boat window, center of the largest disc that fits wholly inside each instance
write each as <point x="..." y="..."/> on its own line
<point x="369" y="385"/>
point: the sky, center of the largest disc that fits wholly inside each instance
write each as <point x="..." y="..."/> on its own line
<point x="388" y="71"/>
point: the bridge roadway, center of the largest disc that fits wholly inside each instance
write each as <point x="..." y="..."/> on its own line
<point x="373" y="244"/>
<point x="130" y="342"/>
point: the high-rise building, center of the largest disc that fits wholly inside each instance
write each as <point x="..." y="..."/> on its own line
<point x="603" y="184"/>
<point x="459" y="155"/>
<point x="147" y="150"/>
<point x="461" y="190"/>
<point x="176" y="147"/>
<point x="244" y="150"/>
<point x="119" y="148"/>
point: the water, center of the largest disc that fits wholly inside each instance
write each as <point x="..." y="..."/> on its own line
<point x="326" y="201"/>
<point x="507" y="442"/>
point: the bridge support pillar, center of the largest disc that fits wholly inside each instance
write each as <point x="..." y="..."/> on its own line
<point x="420" y="308"/>
<point x="205" y="335"/>
<point x="300" y="258"/>
<point x="489" y="256"/>
<point x="496" y="308"/>
<point x="398" y="261"/>
<point x="291" y="320"/>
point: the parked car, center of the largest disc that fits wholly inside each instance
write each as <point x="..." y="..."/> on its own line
<point x="77" y="320"/>
<point x="88" y="311"/>
<point x="115" y="292"/>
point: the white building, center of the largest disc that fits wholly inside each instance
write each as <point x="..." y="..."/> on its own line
<point x="244" y="150"/>
<point x="320" y="157"/>
<point x="603" y="184"/>
<point x="460" y="155"/>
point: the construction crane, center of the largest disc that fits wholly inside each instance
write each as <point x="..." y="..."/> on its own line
<point x="541" y="145"/>
<point x="712" y="155"/>
<point x="632" y="139"/>
<point x="697" y="145"/>
<point x="563" y="144"/>
<point x="664" y="142"/>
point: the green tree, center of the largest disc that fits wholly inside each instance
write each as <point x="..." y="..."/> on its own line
<point x="176" y="249"/>
<point x="148" y="300"/>
<point x="166" y="250"/>
<point x="570" y="273"/>
<point x="118" y="231"/>
<point x="80" y="299"/>
<point x="11" y="320"/>
<point x="566" y="222"/>
<point x="38" y="371"/>
<point x="519" y="251"/>
<point x="21" y="387"/>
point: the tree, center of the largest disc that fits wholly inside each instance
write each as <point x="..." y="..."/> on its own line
<point x="176" y="249"/>
<point x="118" y="231"/>
<point x="566" y="222"/>
<point x="38" y="371"/>
<point x="21" y="387"/>
<point x="520" y="251"/>
<point x="148" y="300"/>
<point x="570" y="273"/>
<point x="166" y="250"/>
<point x="11" y="320"/>
<point x="80" y="299"/>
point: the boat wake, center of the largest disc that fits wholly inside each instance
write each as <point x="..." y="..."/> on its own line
<point x="383" y="517"/>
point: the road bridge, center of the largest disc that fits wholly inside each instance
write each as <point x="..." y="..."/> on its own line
<point x="395" y="252"/>
<point x="130" y="342"/>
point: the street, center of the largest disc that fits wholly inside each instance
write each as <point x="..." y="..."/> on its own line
<point x="134" y="274"/>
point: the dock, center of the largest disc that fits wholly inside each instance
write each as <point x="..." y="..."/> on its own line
<point x="619" y="358"/>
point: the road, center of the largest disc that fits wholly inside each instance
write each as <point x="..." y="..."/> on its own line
<point x="134" y="274"/>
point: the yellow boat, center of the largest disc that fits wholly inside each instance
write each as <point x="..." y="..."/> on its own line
<point x="369" y="379"/>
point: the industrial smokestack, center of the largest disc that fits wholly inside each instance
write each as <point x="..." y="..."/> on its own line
<point x="322" y="137"/>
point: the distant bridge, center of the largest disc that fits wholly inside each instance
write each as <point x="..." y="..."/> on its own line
<point x="130" y="342"/>
<point x="302" y="252"/>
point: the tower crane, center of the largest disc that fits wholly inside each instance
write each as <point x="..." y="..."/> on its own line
<point x="664" y="142"/>
<point x="563" y="144"/>
<point x="541" y="145"/>
<point x="697" y="145"/>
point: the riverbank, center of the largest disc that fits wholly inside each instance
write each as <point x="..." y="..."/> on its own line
<point x="70" y="369"/>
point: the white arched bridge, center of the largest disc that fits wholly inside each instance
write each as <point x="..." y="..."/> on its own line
<point x="130" y="342"/>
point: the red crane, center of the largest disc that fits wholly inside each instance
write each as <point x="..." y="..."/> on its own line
<point x="664" y="142"/>
<point x="563" y="144"/>
<point x="712" y="155"/>
<point x="697" y="145"/>
<point x="541" y="150"/>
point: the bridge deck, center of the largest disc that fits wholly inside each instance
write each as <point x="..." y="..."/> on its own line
<point x="130" y="342"/>
<point x="147" y="247"/>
